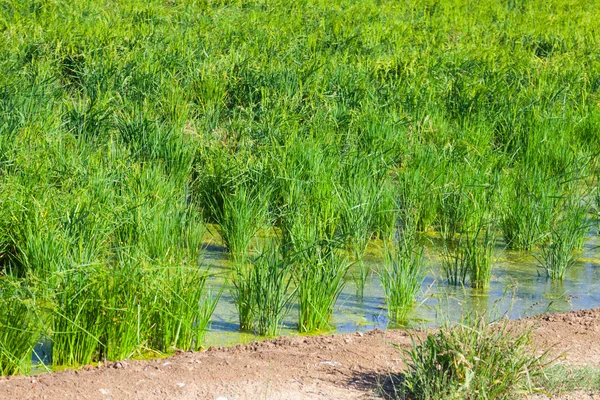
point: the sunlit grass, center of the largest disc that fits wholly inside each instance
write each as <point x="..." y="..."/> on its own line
<point x="473" y="360"/>
<point x="125" y="128"/>
<point x="320" y="278"/>
<point x="402" y="274"/>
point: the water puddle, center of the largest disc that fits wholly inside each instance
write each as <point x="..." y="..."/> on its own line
<point x="518" y="288"/>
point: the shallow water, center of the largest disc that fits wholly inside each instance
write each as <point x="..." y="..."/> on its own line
<point x="518" y="288"/>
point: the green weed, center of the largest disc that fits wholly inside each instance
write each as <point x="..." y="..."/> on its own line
<point x="322" y="118"/>
<point x="473" y="360"/>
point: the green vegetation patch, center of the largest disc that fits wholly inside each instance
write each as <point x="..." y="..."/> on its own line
<point x="127" y="126"/>
<point x="473" y="360"/>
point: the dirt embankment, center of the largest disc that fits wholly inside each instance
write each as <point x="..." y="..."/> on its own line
<point x="350" y="366"/>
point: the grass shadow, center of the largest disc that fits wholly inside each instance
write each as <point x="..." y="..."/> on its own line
<point x="381" y="385"/>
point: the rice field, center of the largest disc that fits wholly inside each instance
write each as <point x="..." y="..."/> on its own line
<point x="136" y="136"/>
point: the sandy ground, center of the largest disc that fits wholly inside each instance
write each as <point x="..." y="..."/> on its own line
<point x="351" y="366"/>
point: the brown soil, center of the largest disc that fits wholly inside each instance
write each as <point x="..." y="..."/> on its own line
<point x="351" y="366"/>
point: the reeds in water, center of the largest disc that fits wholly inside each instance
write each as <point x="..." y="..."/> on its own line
<point x="271" y="279"/>
<point x="320" y="278"/>
<point x="470" y="256"/>
<point x="117" y="312"/>
<point x="557" y="255"/>
<point x="527" y="207"/>
<point x="359" y="193"/>
<point x="262" y="290"/>
<point x="109" y="149"/>
<point x="401" y="275"/>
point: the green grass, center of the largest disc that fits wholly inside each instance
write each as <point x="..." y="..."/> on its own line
<point x="99" y="313"/>
<point x="360" y="191"/>
<point x="182" y="309"/>
<point x="557" y="255"/>
<point x="528" y="208"/>
<point x="244" y="213"/>
<point x="481" y="256"/>
<point x="560" y="379"/>
<point x="243" y="294"/>
<point x="473" y="360"/>
<point x="262" y="289"/>
<point x="317" y="121"/>
<point x="77" y="319"/>
<point x="455" y="263"/>
<point x="401" y="275"/>
<point x="471" y="255"/>
<point x="271" y="278"/>
<point x="20" y="327"/>
<point x="320" y="278"/>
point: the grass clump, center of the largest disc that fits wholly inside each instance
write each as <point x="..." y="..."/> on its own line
<point x="77" y="318"/>
<point x="473" y="360"/>
<point x="561" y="378"/>
<point x="117" y="312"/>
<point x="242" y="293"/>
<point x="320" y="278"/>
<point x="455" y="263"/>
<point x="271" y="278"/>
<point x="557" y="255"/>
<point x="20" y="328"/>
<point x="359" y="193"/>
<point x="114" y="151"/>
<point x="470" y="256"/>
<point x="527" y="207"/>
<point x="401" y="275"/>
<point x="480" y="268"/>
<point x="244" y="212"/>
<point x="181" y="309"/>
<point x="262" y="290"/>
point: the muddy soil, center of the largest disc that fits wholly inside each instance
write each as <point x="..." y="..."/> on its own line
<point x="349" y="366"/>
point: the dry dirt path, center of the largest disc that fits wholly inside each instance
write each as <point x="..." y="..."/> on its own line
<point x="347" y="366"/>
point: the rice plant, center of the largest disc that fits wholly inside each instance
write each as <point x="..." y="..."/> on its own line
<point x="181" y="309"/>
<point x="20" y="326"/>
<point x="417" y="188"/>
<point x="454" y="207"/>
<point x="76" y="327"/>
<point x="100" y="313"/>
<point x="528" y="205"/>
<point x="320" y="278"/>
<point x="262" y="290"/>
<point x="35" y="242"/>
<point x="243" y="294"/>
<point x="470" y="256"/>
<point x="244" y="213"/>
<point x="401" y="275"/>
<point x="455" y="263"/>
<point x="557" y="255"/>
<point x="387" y="211"/>
<point x="114" y="152"/>
<point x="271" y="280"/>
<point x="359" y="193"/>
<point x="124" y="302"/>
<point x="480" y="260"/>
